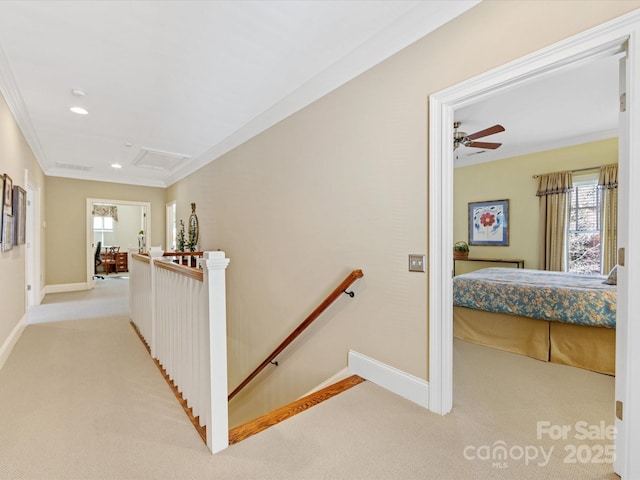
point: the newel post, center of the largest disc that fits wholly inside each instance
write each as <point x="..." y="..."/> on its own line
<point x="214" y="265"/>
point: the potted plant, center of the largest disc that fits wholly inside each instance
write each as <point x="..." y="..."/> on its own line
<point x="461" y="250"/>
<point x="141" y="244"/>
<point x="181" y="241"/>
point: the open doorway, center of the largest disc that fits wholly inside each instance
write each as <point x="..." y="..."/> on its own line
<point x="607" y="39"/>
<point x="120" y="227"/>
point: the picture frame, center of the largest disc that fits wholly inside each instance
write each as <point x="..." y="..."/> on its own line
<point x="7" y="194"/>
<point x="7" y="231"/>
<point x="489" y="223"/>
<point x="19" y="214"/>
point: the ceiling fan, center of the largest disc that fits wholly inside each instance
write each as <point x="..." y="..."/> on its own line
<point x="466" y="140"/>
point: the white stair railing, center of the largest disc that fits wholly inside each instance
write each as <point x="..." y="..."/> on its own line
<point x="181" y="313"/>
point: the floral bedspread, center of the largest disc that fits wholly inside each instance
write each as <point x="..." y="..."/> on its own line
<point x="558" y="296"/>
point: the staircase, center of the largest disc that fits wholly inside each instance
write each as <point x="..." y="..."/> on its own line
<point x="259" y="424"/>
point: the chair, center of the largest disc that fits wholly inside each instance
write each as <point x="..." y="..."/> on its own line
<point x="109" y="260"/>
<point x="98" y="261"/>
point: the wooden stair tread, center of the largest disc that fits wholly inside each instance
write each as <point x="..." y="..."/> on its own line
<point x="259" y="424"/>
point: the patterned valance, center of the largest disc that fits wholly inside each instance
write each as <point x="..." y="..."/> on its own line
<point x="106" y="211"/>
<point x="557" y="182"/>
<point x="608" y="176"/>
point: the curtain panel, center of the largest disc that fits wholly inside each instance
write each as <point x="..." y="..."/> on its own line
<point x="106" y="211"/>
<point x="554" y="204"/>
<point x="608" y="185"/>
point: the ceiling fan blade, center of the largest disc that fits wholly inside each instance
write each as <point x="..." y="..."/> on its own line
<point x="486" y="132"/>
<point x="488" y="145"/>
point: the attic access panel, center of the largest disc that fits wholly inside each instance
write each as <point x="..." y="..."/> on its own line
<point x="159" y="160"/>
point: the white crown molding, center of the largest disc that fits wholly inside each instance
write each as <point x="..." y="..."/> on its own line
<point x="11" y="93"/>
<point x="117" y="177"/>
<point x="537" y="148"/>
<point x="417" y="23"/>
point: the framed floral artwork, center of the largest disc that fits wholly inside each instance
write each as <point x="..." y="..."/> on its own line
<point x="489" y="223"/>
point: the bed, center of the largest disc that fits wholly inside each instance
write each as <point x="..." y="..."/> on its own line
<point x="552" y="316"/>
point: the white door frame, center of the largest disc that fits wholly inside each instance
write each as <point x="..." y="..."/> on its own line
<point x="33" y="267"/>
<point x="602" y="40"/>
<point x="170" y="238"/>
<point x="89" y="225"/>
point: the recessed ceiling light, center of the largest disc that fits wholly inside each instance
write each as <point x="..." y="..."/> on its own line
<point x="116" y="165"/>
<point x="78" y="92"/>
<point x="79" y="110"/>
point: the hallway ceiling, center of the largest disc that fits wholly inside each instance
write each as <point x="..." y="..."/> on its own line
<point x="170" y="86"/>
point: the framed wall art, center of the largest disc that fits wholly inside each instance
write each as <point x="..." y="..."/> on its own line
<point x="489" y="223"/>
<point x="7" y="194"/>
<point x="7" y="231"/>
<point x="19" y="215"/>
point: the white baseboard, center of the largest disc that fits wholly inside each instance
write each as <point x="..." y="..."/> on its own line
<point x="399" y="382"/>
<point x="12" y="339"/>
<point x="66" y="287"/>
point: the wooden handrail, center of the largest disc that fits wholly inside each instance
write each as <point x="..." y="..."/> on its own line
<point x="340" y="289"/>
<point x="183" y="270"/>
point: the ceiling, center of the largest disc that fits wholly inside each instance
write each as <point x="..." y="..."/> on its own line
<point x="573" y="106"/>
<point x="170" y="86"/>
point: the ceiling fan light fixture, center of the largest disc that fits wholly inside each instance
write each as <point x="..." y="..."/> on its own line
<point x="468" y="140"/>
<point x="79" y="110"/>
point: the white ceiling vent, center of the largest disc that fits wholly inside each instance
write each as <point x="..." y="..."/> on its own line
<point x="158" y="160"/>
<point x="71" y="166"/>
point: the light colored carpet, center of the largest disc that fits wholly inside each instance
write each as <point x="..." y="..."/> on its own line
<point x="81" y="399"/>
<point x="108" y="298"/>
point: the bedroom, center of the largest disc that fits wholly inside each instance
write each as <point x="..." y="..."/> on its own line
<point x="563" y="122"/>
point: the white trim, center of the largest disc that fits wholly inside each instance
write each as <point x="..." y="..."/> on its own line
<point x="12" y="339"/>
<point x="399" y="382"/>
<point x="538" y="147"/>
<point x="606" y="39"/>
<point x="33" y="265"/>
<point x="66" y="287"/>
<point x="421" y="20"/>
<point x="11" y="93"/>
<point x="169" y="238"/>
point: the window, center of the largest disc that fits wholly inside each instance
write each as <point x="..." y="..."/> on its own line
<point x="584" y="226"/>
<point x="104" y="224"/>
<point x="101" y="225"/>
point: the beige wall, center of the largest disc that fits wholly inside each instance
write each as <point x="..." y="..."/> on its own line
<point x="512" y="179"/>
<point x="340" y="185"/>
<point x="66" y="230"/>
<point x="15" y="158"/>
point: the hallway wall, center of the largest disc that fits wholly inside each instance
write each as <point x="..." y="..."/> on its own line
<point x="66" y="199"/>
<point x="15" y="157"/>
